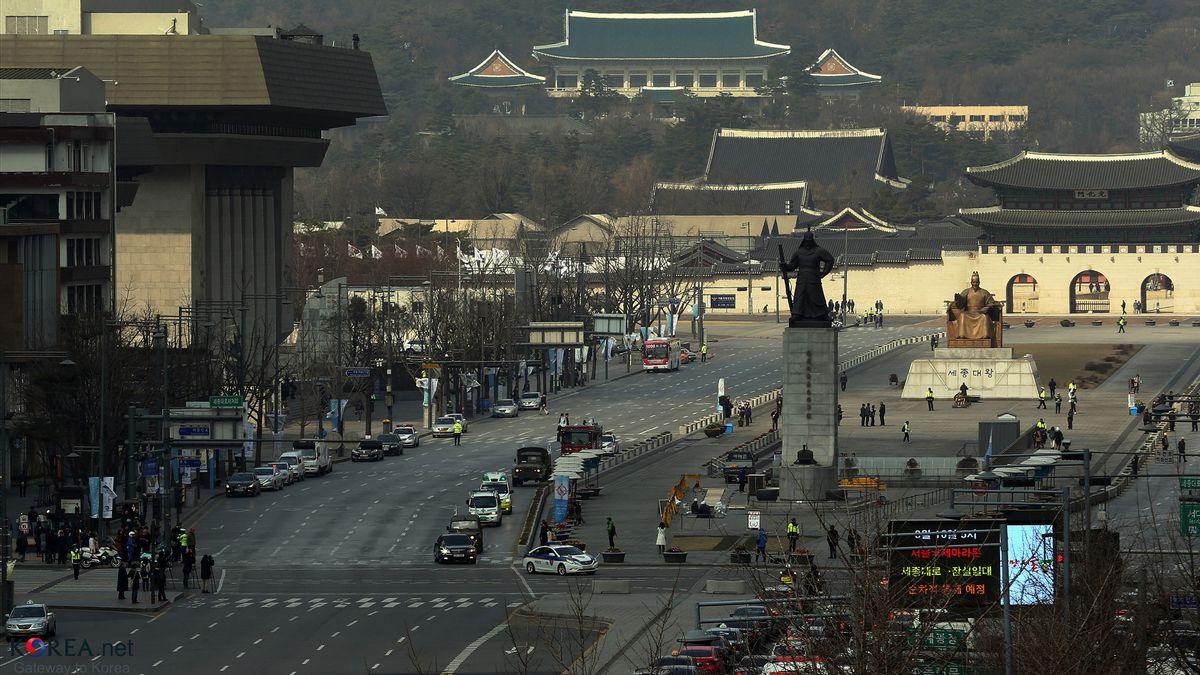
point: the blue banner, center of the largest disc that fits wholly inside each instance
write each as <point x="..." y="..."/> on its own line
<point x="562" y="491"/>
<point x="94" y="495"/>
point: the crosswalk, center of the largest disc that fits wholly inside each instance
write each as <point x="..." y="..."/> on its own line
<point x="447" y="603"/>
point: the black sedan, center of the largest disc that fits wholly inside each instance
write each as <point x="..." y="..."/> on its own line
<point x="367" y="450"/>
<point x="392" y="444"/>
<point x="242" y="484"/>
<point x="454" y="548"/>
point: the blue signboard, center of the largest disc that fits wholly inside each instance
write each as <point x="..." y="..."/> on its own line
<point x="193" y="462"/>
<point x="150" y="466"/>
<point x="358" y="372"/>
<point x="194" y="430"/>
<point x="722" y="301"/>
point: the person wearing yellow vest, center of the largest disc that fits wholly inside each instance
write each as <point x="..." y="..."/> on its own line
<point x="1121" y="325"/>
<point x="76" y="559"/>
<point x="458" y="429"/>
<point x="1041" y="397"/>
<point x="704" y="352"/>
<point x="929" y="397"/>
<point x="793" y="535"/>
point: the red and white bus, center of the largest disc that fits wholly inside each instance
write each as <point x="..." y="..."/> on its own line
<point x="660" y="354"/>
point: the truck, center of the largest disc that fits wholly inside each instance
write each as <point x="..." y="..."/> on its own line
<point x="735" y="460"/>
<point x="314" y="455"/>
<point x="576" y="437"/>
<point x="533" y="463"/>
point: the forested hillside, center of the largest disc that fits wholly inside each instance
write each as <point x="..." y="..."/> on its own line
<point x="1085" y="68"/>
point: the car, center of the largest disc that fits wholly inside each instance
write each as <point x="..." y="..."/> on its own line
<point x="444" y="426"/>
<point x="685" y="356"/>
<point x="369" y="449"/>
<point x="752" y="663"/>
<point x="668" y="670"/>
<point x="502" y="489"/>
<point x="30" y="620"/>
<point x="486" y="505"/>
<point x="417" y="346"/>
<point x="295" y="463"/>
<point x="560" y="559"/>
<point x="609" y="444"/>
<point x="530" y="400"/>
<point x="268" y="478"/>
<point x="460" y="418"/>
<point x="243" y="483"/>
<point x="409" y="438"/>
<point x="735" y="461"/>
<point x="709" y="660"/>
<point x="391" y="444"/>
<point x="285" y="470"/>
<point x="505" y="407"/>
<point x="454" y="548"/>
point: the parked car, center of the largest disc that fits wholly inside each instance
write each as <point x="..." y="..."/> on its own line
<point x="295" y="462"/>
<point x="409" y="438"/>
<point x="444" y="426"/>
<point x="505" y="407"/>
<point x="530" y="400"/>
<point x="391" y="444"/>
<point x="268" y="478"/>
<point x="560" y="559"/>
<point x="369" y="449"/>
<point x="416" y="346"/>
<point x="454" y="548"/>
<point x="286" y="469"/>
<point x="709" y="660"/>
<point x="244" y="483"/>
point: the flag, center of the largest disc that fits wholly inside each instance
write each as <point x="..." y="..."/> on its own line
<point x="463" y="257"/>
<point x="327" y="251"/>
<point x="400" y="251"/>
<point x="440" y="253"/>
<point x="380" y="212"/>
<point x="376" y="253"/>
<point x="303" y="249"/>
<point x="353" y="251"/>
<point x="551" y="261"/>
<point x="422" y="251"/>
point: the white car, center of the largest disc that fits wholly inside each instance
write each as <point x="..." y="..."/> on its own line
<point x="409" y="438"/>
<point x="505" y="407"/>
<point x="560" y="559"/>
<point x="609" y="444"/>
<point x="530" y="400"/>
<point x="444" y="426"/>
<point x="460" y="418"/>
<point x="268" y="477"/>
<point x="295" y="464"/>
<point x="30" y="620"/>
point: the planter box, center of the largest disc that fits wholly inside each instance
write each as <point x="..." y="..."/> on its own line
<point x="713" y="433"/>
<point x="1150" y="322"/>
<point x="1029" y="324"/>
<point x="800" y="558"/>
<point x="1097" y="323"/>
<point x="1173" y="322"/>
<point x="613" y="556"/>
<point x="740" y="557"/>
<point x="675" y="558"/>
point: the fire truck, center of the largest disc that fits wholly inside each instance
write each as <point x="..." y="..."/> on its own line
<point x="576" y="437"/>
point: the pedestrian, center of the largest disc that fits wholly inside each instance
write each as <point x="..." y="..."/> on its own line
<point x="206" y="573"/>
<point x="543" y="533"/>
<point x="189" y="559"/>
<point x="160" y="585"/>
<point x="793" y="535"/>
<point x="843" y="380"/>
<point x="1058" y="438"/>
<point x="1122" y="306"/>
<point x="1137" y="383"/>
<point x="832" y="537"/>
<point x="775" y="419"/>
<point x="905" y="428"/>
<point x="64" y="544"/>
<point x="661" y="539"/>
<point x="852" y="541"/>
<point x="704" y="352"/>
<point x="49" y="546"/>
<point x="76" y="560"/>
<point x="882" y="412"/>
<point x="1041" y="398"/>
<point x="872" y="413"/>
<point x="1181" y="446"/>
<point x="135" y="578"/>
<point x="21" y="481"/>
<point x="1052" y="385"/>
<point x="612" y="533"/>
<point x="1121" y="325"/>
<point x="929" y="397"/>
<point x="1195" y="417"/>
<point x="22" y="545"/>
<point x="862" y="415"/>
<point x="1071" y="405"/>
<point x="749" y="414"/>
<point x="1134" y="466"/>
<point x="1071" y="419"/>
<point x="1166" y="444"/>
<point x="1058" y="404"/>
<point x="458" y="433"/>
<point x="122" y="582"/>
<point x="1171" y="420"/>
<point x="741" y="476"/>
<point x="760" y="552"/>
<point x="933" y="342"/>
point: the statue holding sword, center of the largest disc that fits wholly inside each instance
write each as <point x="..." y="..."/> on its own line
<point x="811" y="264"/>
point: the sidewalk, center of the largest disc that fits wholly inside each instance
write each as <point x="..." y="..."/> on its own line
<point x="96" y="588"/>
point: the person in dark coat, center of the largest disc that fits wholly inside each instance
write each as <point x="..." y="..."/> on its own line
<point x="160" y="585"/>
<point x="135" y="579"/>
<point x="543" y="533"/>
<point x="122" y="582"/>
<point x="189" y="560"/>
<point x="22" y="545"/>
<point x="63" y="541"/>
<point x="206" y="572"/>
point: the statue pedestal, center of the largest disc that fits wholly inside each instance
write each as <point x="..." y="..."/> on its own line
<point x="810" y="398"/>
<point x="990" y="373"/>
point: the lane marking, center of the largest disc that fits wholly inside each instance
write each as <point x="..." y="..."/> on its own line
<point x="470" y="649"/>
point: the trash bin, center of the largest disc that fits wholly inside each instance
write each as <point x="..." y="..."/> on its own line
<point x="729" y="427"/>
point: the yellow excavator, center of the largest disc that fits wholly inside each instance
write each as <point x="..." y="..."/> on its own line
<point x="679" y="495"/>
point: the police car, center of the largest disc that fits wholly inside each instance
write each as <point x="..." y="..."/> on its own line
<point x="498" y="482"/>
<point x="560" y="559"/>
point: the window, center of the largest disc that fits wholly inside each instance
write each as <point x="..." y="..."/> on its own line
<point x="615" y="80"/>
<point x="976" y="118"/>
<point x="708" y="80"/>
<point x="731" y="80"/>
<point x="685" y="79"/>
<point x="1016" y="118"/>
<point x="956" y="119"/>
<point x="662" y="79"/>
<point x="995" y="118"/>
<point x="1047" y="249"/>
<point x="27" y="25"/>
<point x="637" y="80"/>
<point x="84" y="298"/>
<point x="567" y="81"/>
<point x="1114" y="249"/>
<point x="937" y="118"/>
<point x="755" y="79"/>
<point x="83" y="252"/>
<point x="84" y="206"/>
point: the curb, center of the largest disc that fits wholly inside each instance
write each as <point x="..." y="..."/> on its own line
<point x="155" y="607"/>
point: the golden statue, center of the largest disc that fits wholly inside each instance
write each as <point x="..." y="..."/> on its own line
<point x="974" y="318"/>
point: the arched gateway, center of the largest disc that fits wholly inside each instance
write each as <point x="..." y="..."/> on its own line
<point x="1089" y="292"/>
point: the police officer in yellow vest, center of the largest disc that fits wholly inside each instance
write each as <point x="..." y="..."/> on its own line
<point x="76" y="559"/>
<point x="929" y="397"/>
<point x="704" y="352"/>
<point x="793" y="535"/>
<point x="458" y="433"/>
<point x="1041" y="397"/>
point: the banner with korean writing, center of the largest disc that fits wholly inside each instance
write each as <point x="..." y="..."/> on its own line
<point x="562" y="492"/>
<point x="939" y="563"/>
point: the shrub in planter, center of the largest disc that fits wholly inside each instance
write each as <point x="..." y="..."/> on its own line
<point x="715" y="429"/>
<point x="1028" y="323"/>
<point x="800" y="556"/>
<point x="613" y="555"/>
<point x="1066" y="323"/>
<point x="1173" y="322"/>
<point x="675" y="555"/>
<point x="740" y="555"/>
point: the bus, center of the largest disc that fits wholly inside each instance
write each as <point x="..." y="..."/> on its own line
<point x="660" y="354"/>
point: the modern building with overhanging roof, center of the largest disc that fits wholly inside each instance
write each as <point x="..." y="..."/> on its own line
<point x="232" y="116"/>
<point x="835" y="77"/>
<point x="497" y="71"/>
<point x="709" y="53"/>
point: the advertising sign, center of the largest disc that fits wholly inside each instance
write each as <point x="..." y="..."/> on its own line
<point x="1030" y="552"/>
<point x="945" y="563"/>
<point x="722" y="301"/>
<point x="562" y="490"/>
<point x="107" y="495"/>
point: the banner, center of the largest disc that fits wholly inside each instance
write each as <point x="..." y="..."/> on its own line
<point x="94" y="496"/>
<point x="151" y="474"/>
<point x="106" y="497"/>
<point x="562" y="490"/>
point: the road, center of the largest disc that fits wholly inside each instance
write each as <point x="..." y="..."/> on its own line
<point x="335" y="574"/>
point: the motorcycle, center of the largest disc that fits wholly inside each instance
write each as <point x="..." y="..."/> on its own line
<point x="106" y="555"/>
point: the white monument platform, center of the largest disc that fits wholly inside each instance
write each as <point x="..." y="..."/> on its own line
<point x="990" y="373"/>
<point x="809" y="420"/>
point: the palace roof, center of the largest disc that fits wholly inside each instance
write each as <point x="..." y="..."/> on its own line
<point x="831" y="70"/>
<point x="598" y="36"/>
<point x="1187" y="147"/>
<point x="1048" y="171"/>
<point x="995" y="216"/>
<point x="852" y="161"/>
<point x="708" y="199"/>
<point x="496" y="71"/>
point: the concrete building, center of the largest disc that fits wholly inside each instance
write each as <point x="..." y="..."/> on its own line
<point x="708" y="54"/>
<point x="57" y="200"/>
<point x="100" y="17"/>
<point x="230" y="116"/>
<point x="1181" y="117"/>
<point x="977" y="119"/>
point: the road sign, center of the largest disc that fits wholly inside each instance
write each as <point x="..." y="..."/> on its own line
<point x="431" y="366"/>
<point x="194" y="430"/>
<point x="1189" y="483"/>
<point x="225" y="402"/>
<point x="24" y="527"/>
<point x="190" y="462"/>
<point x="1189" y="519"/>
<point x="753" y="520"/>
<point x="944" y="639"/>
<point x="358" y="372"/>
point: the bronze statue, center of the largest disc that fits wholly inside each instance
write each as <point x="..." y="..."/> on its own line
<point x="811" y="263"/>
<point x="974" y="314"/>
